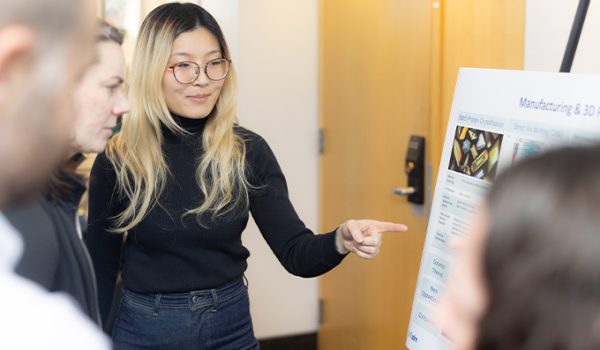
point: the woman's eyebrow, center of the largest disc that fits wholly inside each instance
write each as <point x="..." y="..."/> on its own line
<point x="213" y="52"/>
<point x="181" y="54"/>
<point x="185" y="54"/>
<point x="118" y="79"/>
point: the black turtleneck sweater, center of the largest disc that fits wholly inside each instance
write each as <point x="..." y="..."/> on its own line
<point x="171" y="253"/>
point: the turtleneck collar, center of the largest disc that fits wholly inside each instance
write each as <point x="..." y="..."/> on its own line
<point x="194" y="126"/>
<point x="189" y="124"/>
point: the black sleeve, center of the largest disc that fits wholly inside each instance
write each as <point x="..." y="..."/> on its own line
<point x="298" y="249"/>
<point x="104" y="246"/>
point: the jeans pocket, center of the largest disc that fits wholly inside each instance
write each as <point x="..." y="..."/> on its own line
<point x="135" y="305"/>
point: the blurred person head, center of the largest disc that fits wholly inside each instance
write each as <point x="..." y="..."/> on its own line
<point x="528" y="276"/>
<point x="99" y="99"/>
<point x="181" y="66"/>
<point x="44" y="48"/>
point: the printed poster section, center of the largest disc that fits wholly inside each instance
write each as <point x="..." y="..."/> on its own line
<point x="475" y="153"/>
<point x="498" y="118"/>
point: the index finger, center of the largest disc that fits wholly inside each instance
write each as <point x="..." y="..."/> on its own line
<point x="383" y="226"/>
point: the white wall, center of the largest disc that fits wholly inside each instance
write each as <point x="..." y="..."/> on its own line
<point x="548" y="24"/>
<point x="274" y="48"/>
<point x="227" y="13"/>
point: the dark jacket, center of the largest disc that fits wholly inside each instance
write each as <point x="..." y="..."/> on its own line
<point x="55" y="256"/>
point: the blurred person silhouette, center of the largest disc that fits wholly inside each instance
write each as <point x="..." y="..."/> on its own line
<point x="527" y="277"/>
<point x="44" y="48"/>
<point x="55" y="256"/>
<point x="181" y="179"/>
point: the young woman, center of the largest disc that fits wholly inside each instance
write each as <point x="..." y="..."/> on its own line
<point x="528" y="277"/>
<point x="55" y="256"/>
<point x="181" y="180"/>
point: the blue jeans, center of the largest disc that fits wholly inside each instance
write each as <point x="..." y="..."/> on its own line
<point x="206" y="319"/>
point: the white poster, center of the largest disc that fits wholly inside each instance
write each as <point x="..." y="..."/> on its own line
<point x="498" y="117"/>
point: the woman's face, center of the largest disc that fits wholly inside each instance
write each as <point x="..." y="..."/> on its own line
<point x="465" y="298"/>
<point x="197" y="99"/>
<point x="99" y="99"/>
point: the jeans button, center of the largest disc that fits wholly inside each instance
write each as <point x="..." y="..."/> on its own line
<point x="195" y="299"/>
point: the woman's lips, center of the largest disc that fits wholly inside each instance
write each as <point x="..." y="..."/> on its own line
<point x="199" y="98"/>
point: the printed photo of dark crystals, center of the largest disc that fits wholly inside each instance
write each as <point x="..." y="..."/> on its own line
<point x="475" y="153"/>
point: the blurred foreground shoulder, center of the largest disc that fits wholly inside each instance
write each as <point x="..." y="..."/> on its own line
<point x="34" y="319"/>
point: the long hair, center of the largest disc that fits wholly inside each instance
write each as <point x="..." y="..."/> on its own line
<point x="542" y="256"/>
<point x="136" y="152"/>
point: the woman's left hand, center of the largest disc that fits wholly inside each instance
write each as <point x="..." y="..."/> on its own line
<point x="363" y="237"/>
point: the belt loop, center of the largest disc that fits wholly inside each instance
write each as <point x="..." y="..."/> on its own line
<point x="245" y="281"/>
<point x="157" y="304"/>
<point x="215" y="300"/>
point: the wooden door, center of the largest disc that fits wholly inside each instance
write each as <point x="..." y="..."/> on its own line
<point x="473" y="33"/>
<point x="375" y="92"/>
<point x="388" y="70"/>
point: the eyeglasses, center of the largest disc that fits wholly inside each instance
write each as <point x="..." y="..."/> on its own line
<point x="187" y="72"/>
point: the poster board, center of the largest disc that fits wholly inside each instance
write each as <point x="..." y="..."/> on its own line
<point x="498" y="118"/>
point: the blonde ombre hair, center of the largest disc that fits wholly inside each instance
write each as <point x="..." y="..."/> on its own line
<point x="136" y="152"/>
